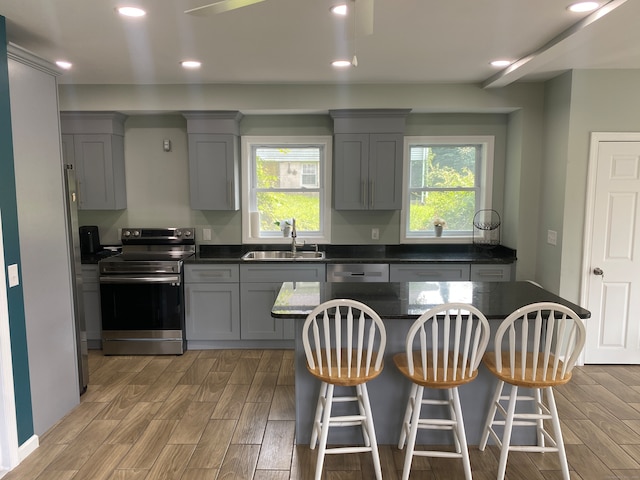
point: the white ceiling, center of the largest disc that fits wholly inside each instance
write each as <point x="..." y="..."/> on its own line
<point x="294" y="41"/>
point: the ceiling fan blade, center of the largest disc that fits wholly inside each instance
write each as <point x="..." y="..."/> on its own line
<point x="364" y="17"/>
<point x="221" y="6"/>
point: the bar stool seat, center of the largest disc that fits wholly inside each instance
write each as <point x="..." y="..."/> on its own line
<point x="536" y="347"/>
<point x="451" y="340"/>
<point x="344" y="342"/>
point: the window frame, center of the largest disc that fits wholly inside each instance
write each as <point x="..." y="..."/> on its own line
<point x="248" y="145"/>
<point x="485" y="177"/>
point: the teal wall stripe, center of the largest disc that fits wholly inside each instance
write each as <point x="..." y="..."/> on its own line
<point x="8" y="206"/>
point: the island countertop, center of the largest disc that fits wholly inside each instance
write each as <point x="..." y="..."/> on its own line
<point x="409" y="300"/>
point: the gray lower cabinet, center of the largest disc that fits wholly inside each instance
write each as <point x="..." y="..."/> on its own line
<point x="91" y="300"/>
<point x="428" y="273"/>
<point x="491" y="273"/>
<point x="212" y="301"/>
<point x="259" y="287"/>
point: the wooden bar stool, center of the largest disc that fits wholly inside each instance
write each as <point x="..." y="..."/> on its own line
<point x="344" y="342"/>
<point x="443" y="350"/>
<point x="543" y="342"/>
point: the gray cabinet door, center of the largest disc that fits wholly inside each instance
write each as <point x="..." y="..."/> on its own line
<point x="428" y="273"/>
<point x="99" y="164"/>
<point x="212" y="311"/>
<point x="256" y="304"/>
<point x="213" y="172"/>
<point x="385" y="171"/>
<point x="491" y="273"/>
<point x="351" y="171"/>
<point x="368" y="171"/>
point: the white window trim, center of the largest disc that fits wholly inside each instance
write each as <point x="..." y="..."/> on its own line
<point x="248" y="142"/>
<point x="486" y="182"/>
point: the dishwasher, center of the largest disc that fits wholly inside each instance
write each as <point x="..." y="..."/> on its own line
<point x="357" y="272"/>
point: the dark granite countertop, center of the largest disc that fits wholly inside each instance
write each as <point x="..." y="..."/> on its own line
<point x="453" y="253"/>
<point x="409" y="300"/>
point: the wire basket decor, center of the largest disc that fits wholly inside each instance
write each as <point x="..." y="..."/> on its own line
<point x="486" y="228"/>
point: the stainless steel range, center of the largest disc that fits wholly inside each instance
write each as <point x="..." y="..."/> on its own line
<point x="142" y="292"/>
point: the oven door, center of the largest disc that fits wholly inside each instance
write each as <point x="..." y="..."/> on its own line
<point x="142" y="314"/>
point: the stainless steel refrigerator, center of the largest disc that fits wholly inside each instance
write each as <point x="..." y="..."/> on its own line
<point x="76" y="273"/>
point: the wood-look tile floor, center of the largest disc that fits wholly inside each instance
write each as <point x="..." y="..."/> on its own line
<point x="230" y="414"/>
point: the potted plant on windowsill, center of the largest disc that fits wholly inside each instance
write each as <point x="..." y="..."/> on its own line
<point x="285" y="227"/>
<point x="438" y="225"/>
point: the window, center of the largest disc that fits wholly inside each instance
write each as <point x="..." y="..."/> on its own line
<point x="447" y="178"/>
<point x="287" y="178"/>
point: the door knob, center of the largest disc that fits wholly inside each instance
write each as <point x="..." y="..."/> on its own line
<point x="598" y="271"/>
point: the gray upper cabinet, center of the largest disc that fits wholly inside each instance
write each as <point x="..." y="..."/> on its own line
<point x="368" y="159"/>
<point x="93" y="143"/>
<point x="214" y="172"/>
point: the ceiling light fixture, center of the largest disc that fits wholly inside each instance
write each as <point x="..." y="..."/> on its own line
<point x="501" y="63"/>
<point x="64" y="64"/>
<point x="582" y="7"/>
<point x="131" y="11"/>
<point x="341" y="63"/>
<point x="191" y="64"/>
<point x="339" y="9"/>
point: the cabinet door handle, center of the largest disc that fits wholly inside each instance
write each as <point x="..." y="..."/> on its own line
<point x="230" y="193"/>
<point x="363" y="193"/>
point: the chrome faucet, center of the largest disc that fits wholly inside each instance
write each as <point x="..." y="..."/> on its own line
<point x="294" y="234"/>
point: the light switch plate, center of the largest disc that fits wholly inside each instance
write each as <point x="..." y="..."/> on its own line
<point x="552" y="237"/>
<point x="375" y="234"/>
<point x="14" y="279"/>
<point x="206" y="234"/>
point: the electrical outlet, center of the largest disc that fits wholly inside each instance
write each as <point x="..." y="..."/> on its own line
<point x="375" y="234"/>
<point x="552" y="237"/>
<point x="206" y="234"/>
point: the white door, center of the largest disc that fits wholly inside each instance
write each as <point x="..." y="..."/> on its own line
<point x="612" y="253"/>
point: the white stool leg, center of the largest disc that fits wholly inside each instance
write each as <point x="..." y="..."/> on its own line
<point x="324" y="433"/>
<point x="506" y="438"/>
<point x="363" y="412"/>
<point x="555" y="420"/>
<point x="318" y="417"/>
<point x="460" y="433"/>
<point x="413" y="432"/>
<point x="406" y="423"/>
<point x="491" y="415"/>
<point x="540" y="422"/>
<point x="371" y="431"/>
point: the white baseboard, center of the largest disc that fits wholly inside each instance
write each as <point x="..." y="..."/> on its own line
<point x="28" y="447"/>
<point x="24" y="450"/>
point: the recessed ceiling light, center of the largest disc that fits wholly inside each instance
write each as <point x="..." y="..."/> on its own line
<point x="191" y="64"/>
<point x="339" y="9"/>
<point x="582" y="7"/>
<point x="341" y="63"/>
<point x="501" y="63"/>
<point x="64" y="64"/>
<point x="131" y="11"/>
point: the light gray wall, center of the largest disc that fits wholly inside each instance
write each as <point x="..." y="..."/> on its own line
<point x="513" y="114"/>
<point x="554" y="177"/>
<point x="601" y="101"/>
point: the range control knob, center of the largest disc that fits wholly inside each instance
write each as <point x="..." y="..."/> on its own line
<point x="178" y="233"/>
<point x="126" y="233"/>
<point x="136" y="233"/>
<point x="187" y="233"/>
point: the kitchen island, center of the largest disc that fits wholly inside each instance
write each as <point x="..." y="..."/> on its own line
<point x="399" y="304"/>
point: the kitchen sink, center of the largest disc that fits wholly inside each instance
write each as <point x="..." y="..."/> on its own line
<point x="282" y="255"/>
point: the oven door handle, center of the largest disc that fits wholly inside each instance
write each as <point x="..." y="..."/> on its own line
<point x="124" y="279"/>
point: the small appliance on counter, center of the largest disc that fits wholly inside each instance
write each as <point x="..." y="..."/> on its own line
<point x="90" y="240"/>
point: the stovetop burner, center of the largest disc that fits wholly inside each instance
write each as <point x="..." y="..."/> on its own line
<point x="151" y="250"/>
